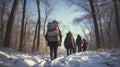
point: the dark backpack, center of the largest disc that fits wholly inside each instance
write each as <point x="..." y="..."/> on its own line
<point x="78" y="41"/>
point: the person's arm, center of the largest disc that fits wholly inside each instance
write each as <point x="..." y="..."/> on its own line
<point x="65" y="45"/>
<point x="86" y="43"/>
<point x="73" y="41"/>
<point x="46" y="37"/>
<point x="48" y="44"/>
<point x="60" y="35"/>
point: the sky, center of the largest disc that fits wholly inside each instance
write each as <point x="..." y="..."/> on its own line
<point x="63" y="13"/>
<point x="66" y="14"/>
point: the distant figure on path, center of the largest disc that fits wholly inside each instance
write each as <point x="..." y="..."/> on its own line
<point x="79" y="43"/>
<point x="85" y="43"/>
<point x="69" y="43"/>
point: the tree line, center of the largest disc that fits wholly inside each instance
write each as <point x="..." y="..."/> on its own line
<point x="101" y="20"/>
<point x="19" y="31"/>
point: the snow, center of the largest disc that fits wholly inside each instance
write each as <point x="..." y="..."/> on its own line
<point x="11" y="58"/>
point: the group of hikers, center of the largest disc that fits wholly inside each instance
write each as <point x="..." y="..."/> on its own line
<point x="71" y="45"/>
<point x="54" y="39"/>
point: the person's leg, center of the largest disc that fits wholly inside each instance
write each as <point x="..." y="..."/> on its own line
<point x="83" y="48"/>
<point x="74" y="50"/>
<point x="67" y="51"/>
<point x="79" y="48"/>
<point x="51" y="52"/>
<point x="71" y="51"/>
<point x="55" y="51"/>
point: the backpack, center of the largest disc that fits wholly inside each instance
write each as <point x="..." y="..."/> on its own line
<point x="69" y="39"/>
<point x="78" y="41"/>
<point x="85" y="43"/>
<point x="53" y="34"/>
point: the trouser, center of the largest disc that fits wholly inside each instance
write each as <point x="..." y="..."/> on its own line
<point x="74" y="50"/>
<point x="79" y="48"/>
<point x="53" y="52"/>
<point x="69" y="51"/>
<point x="84" y="48"/>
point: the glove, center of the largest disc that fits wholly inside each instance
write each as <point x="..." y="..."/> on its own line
<point x="59" y="43"/>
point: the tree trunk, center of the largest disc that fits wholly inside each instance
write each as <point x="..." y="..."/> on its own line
<point x="44" y="25"/>
<point x="117" y="18"/>
<point x="22" y="28"/>
<point x="101" y="32"/>
<point x="25" y="33"/>
<point x="16" y="40"/>
<point x="44" y="32"/>
<point x="10" y="23"/>
<point x="109" y="30"/>
<point x="39" y="23"/>
<point x="95" y="24"/>
<point x="35" y="35"/>
<point x="2" y="22"/>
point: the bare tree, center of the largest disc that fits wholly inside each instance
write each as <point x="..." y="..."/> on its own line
<point x="117" y="18"/>
<point x="4" y="13"/>
<point x="85" y="5"/>
<point x="109" y="22"/>
<point x="6" y="42"/>
<point x="39" y="24"/>
<point x="34" y="40"/>
<point x="2" y="24"/>
<point x="105" y="21"/>
<point x="95" y="24"/>
<point x="48" y="10"/>
<point x="22" y="28"/>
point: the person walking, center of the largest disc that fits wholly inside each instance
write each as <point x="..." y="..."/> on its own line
<point x="85" y="43"/>
<point x="54" y="38"/>
<point x="79" y="43"/>
<point x="69" y="43"/>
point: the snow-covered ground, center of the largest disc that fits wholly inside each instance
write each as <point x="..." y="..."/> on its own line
<point x="11" y="58"/>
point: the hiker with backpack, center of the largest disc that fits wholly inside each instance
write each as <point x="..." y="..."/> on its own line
<point x="84" y="44"/>
<point x="54" y="38"/>
<point x="69" y="43"/>
<point x="79" y="43"/>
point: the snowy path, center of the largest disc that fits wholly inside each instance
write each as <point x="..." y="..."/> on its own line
<point x="10" y="58"/>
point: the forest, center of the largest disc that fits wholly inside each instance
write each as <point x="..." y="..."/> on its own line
<point x="23" y="28"/>
<point x="85" y="33"/>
